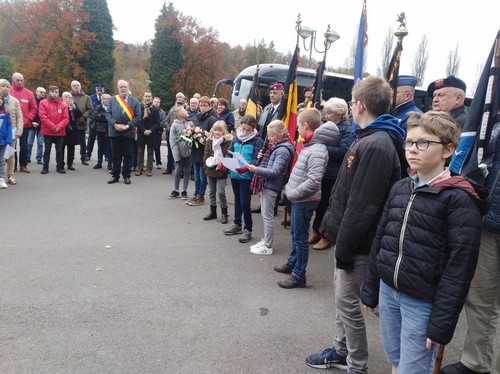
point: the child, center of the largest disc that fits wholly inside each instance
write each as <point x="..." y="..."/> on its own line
<point x="370" y="167"/>
<point x="217" y="145"/>
<point x="5" y="139"/>
<point x="248" y="144"/>
<point x="269" y="179"/>
<point x="426" y="248"/>
<point x="181" y="150"/>
<point x="304" y="191"/>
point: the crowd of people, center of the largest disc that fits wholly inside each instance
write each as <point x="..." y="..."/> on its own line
<point x="406" y="228"/>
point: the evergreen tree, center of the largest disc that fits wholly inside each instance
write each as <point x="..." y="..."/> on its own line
<point x="99" y="62"/>
<point x="6" y="66"/>
<point x="166" y="57"/>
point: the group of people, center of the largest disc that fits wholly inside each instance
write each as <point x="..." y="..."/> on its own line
<point x="407" y="229"/>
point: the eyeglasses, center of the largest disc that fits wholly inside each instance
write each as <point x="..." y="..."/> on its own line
<point x="422" y="144"/>
<point x="351" y="103"/>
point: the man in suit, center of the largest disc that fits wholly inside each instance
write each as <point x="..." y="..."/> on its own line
<point x="123" y="114"/>
<point x="270" y="112"/>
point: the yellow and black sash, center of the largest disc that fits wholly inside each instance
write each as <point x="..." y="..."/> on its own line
<point x="126" y="108"/>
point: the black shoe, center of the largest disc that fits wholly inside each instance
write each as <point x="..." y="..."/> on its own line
<point x="286" y="269"/>
<point x="126" y="180"/>
<point x="293" y="281"/>
<point x="167" y="171"/>
<point x="39" y="162"/>
<point x="61" y="171"/>
<point x="257" y="210"/>
<point x="133" y="168"/>
<point x="174" y="195"/>
<point x="285" y="223"/>
<point x="70" y="167"/>
<point x="113" y="180"/>
<point x="84" y="162"/>
<point x="458" y="368"/>
<point x="97" y="166"/>
<point x="87" y="158"/>
<point x="44" y="171"/>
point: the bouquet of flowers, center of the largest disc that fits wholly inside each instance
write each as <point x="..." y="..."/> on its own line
<point x="195" y="135"/>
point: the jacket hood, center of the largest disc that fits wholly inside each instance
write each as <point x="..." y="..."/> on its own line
<point x="325" y="134"/>
<point x="388" y="123"/>
<point x="479" y="193"/>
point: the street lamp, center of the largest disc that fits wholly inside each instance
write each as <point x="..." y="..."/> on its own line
<point x="306" y="32"/>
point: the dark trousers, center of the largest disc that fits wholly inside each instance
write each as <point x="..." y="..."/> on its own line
<point x="91" y="141"/>
<point x="170" y="157"/>
<point x="122" y="155"/>
<point x="81" y="142"/>
<point x="242" y="199"/>
<point x="58" y="141"/>
<point x="157" y="147"/>
<point x="103" y="147"/>
<point x="326" y="192"/>
<point x="23" y="145"/>
<point x="70" y="154"/>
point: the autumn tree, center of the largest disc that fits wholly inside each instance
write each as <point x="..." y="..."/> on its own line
<point x="50" y="42"/>
<point x="453" y="62"/>
<point x="166" y="57"/>
<point x="99" y="63"/>
<point x="419" y="64"/>
<point x="132" y="64"/>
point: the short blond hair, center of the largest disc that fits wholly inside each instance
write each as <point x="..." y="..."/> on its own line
<point x="311" y="116"/>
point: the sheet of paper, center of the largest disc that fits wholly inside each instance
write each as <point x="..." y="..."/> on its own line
<point x="9" y="151"/>
<point x="239" y="157"/>
<point x="230" y="163"/>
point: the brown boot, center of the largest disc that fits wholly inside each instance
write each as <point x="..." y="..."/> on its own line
<point x="323" y="243"/>
<point x="192" y="200"/>
<point x="200" y="200"/>
<point x="138" y="172"/>
<point x="314" y="237"/>
<point x="149" y="173"/>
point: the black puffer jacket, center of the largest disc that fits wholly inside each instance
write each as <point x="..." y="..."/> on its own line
<point x="426" y="246"/>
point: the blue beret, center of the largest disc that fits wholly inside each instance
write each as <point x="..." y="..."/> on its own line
<point x="451" y="81"/>
<point x="99" y="86"/>
<point x="276" y="87"/>
<point x="407" y="80"/>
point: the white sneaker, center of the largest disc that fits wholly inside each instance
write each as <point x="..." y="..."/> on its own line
<point x="3" y="184"/>
<point x="262" y="250"/>
<point x="259" y="244"/>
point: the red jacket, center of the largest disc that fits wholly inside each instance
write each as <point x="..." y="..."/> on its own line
<point x="53" y="115"/>
<point x="27" y="101"/>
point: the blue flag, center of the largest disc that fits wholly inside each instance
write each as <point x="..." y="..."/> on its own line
<point x="362" y="42"/>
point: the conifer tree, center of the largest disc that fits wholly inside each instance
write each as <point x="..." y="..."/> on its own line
<point x="98" y="62"/>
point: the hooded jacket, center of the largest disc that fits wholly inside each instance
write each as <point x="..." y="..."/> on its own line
<point x="427" y="245"/>
<point x="304" y="184"/>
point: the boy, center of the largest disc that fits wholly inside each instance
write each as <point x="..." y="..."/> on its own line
<point x="181" y="150"/>
<point x="369" y="169"/>
<point x="304" y="192"/>
<point x="426" y="249"/>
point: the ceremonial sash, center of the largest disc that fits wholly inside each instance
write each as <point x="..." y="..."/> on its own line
<point x="126" y="108"/>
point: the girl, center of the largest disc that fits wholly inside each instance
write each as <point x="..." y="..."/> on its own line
<point x="217" y="145"/>
<point x="5" y="139"/>
<point x="426" y="248"/>
<point x="269" y="178"/>
<point x="248" y="144"/>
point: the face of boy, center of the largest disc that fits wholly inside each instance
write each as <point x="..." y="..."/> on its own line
<point x="303" y="128"/>
<point x="432" y="160"/>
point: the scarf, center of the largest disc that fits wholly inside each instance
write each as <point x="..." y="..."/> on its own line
<point x="245" y="138"/>
<point x="216" y="147"/>
<point x="257" y="183"/>
<point x="147" y="110"/>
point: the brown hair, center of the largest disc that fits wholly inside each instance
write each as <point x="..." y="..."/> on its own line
<point x="205" y="100"/>
<point x="375" y="94"/>
<point x="248" y="120"/>
<point x="224" y="102"/>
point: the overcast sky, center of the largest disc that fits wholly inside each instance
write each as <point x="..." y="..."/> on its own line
<point x="472" y="24"/>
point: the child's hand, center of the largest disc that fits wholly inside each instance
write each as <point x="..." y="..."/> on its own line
<point x="252" y="168"/>
<point x="220" y="166"/>
<point x="242" y="170"/>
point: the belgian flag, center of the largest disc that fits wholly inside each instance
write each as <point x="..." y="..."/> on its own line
<point x="287" y="111"/>
<point x="253" y="97"/>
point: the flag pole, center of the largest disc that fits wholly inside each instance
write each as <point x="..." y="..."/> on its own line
<point x="393" y="71"/>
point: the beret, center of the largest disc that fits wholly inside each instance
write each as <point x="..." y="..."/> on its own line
<point x="451" y="81"/>
<point x="276" y="87"/>
<point x="407" y="80"/>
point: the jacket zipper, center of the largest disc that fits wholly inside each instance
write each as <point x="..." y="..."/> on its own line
<point x="401" y="236"/>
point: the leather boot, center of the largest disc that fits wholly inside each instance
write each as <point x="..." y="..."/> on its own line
<point x="314" y="237"/>
<point x="212" y="214"/>
<point x="149" y="172"/>
<point x="138" y="172"/>
<point x="323" y="243"/>
<point x="223" y="218"/>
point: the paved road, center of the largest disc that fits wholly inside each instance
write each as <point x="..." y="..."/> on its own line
<point x="100" y="278"/>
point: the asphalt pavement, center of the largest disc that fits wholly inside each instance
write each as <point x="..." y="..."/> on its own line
<point x="100" y="278"/>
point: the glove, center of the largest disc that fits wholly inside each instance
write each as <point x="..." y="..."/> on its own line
<point x="220" y="166"/>
<point x="242" y="170"/>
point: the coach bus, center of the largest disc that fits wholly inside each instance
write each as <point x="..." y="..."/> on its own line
<point x="335" y="84"/>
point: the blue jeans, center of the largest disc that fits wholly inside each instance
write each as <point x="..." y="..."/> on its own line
<point x="300" y="221"/>
<point x="39" y="143"/>
<point x="242" y="199"/>
<point x="200" y="179"/>
<point x="403" y="329"/>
